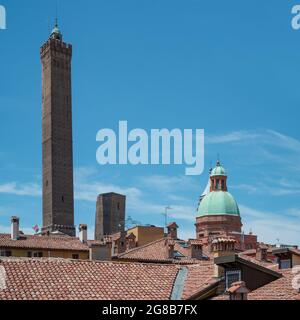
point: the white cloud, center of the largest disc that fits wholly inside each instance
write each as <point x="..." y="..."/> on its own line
<point x="167" y="183"/>
<point x="271" y="190"/>
<point x="271" y="226"/>
<point x="283" y="141"/>
<point x="294" y="212"/>
<point x="267" y="137"/>
<point x="20" y="189"/>
<point x="231" y="137"/>
<point x="90" y="191"/>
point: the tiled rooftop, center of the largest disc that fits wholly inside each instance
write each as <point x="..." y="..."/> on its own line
<point x="200" y="276"/>
<point x="156" y="251"/>
<point x="52" y="242"/>
<point x="59" y="279"/>
<point x="280" y="289"/>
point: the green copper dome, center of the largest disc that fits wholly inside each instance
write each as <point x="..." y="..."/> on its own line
<point x="218" y="202"/>
<point x="218" y="170"/>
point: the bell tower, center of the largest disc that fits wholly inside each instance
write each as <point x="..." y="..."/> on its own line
<point x="58" y="194"/>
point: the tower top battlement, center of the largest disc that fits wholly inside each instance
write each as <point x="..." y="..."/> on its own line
<point x="56" y="45"/>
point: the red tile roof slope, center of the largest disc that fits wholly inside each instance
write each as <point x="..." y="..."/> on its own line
<point x="200" y="276"/>
<point x="58" y="279"/>
<point x="267" y="264"/>
<point x="52" y="242"/>
<point x="280" y="289"/>
<point x="156" y="251"/>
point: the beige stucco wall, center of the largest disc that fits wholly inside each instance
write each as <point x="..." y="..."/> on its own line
<point x="83" y="255"/>
<point x="145" y="235"/>
<point x="296" y="260"/>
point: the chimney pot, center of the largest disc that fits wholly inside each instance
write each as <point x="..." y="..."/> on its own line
<point x="170" y="244"/>
<point x="83" y="233"/>
<point x="195" y="249"/>
<point x="15" y="228"/>
<point x="262" y="254"/>
<point x="172" y="230"/>
<point x="238" y="291"/>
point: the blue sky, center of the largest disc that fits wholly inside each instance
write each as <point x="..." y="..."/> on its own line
<point x="229" y="67"/>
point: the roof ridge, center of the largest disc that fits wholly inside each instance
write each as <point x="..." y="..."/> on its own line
<point x="63" y="260"/>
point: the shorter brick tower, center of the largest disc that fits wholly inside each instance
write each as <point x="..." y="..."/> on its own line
<point x="110" y="214"/>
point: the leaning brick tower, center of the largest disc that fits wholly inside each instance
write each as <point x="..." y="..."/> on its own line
<point x="58" y="194"/>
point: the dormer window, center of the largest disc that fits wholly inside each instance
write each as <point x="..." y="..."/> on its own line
<point x="232" y="276"/>
<point x="285" y="264"/>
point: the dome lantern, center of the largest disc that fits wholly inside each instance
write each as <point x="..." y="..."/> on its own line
<point x="218" y="178"/>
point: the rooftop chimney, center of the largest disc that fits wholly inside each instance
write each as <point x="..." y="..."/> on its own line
<point x="130" y="241"/>
<point x="14" y="228"/>
<point x="238" y="291"/>
<point x="83" y="233"/>
<point x="170" y="244"/>
<point x="172" y="230"/>
<point x="222" y="246"/>
<point x="262" y="253"/>
<point x="195" y="249"/>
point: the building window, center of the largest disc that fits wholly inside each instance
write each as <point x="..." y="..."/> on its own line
<point x="285" y="264"/>
<point x="5" y="253"/>
<point x="232" y="276"/>
<point x="177" y="254"/>
<point x="75" y="256"/>
<point x="63" y="199"/>
<point x="35" y="254"/>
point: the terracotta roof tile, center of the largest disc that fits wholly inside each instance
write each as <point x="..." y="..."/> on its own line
<point x="195" y="242"/>
<point x="267" y="264"/>
<point x="200" y="276"/>
<point x="280" y="289"/>
<point x="52" y="242"/>
<point x="156" y="251"/>
<point x="58" y="279"/>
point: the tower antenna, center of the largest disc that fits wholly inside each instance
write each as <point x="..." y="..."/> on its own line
<point x="56" y="12"/>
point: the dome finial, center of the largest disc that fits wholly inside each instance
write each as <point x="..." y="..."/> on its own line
<point x="210" y="168"/>
<point x="218" y="160"/>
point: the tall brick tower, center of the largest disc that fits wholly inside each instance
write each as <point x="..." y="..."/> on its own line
<point x="58" y="194"/>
